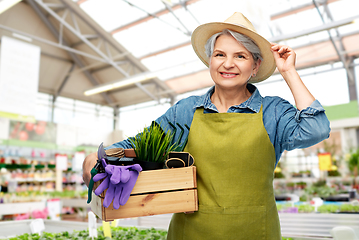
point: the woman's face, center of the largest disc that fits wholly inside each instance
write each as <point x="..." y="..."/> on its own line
<point x="231" y="65"/>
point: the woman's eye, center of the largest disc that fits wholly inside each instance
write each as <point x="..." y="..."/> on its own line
<point x="219" y="55"/>
<point x="240" y="56"/>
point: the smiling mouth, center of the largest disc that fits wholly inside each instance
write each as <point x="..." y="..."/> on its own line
<point x="225" y="74"/>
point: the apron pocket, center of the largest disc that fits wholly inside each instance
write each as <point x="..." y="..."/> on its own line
<point x="240" y="223"/>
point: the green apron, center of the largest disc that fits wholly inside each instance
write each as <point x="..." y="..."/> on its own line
<point x="235" y="163"/>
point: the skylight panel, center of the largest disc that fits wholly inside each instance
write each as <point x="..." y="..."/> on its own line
<point x="349" y="28"/>
<point x="297" y="42"/>
<point x="211" y="11"/>
<point x="149" y="6"/>
<point x="323" y="35"/>
<point x="297" y="22"/>
<point x="278" y="6"/>
<point x="174" y="63"/>
<point x="111" y="14"/>
<point x="335" y="83"/>
<point x="149" y="37"/>
<point x="188" y="18"/>
<point x="338" y="64"/>
<point x="171" y="58"/>
<point x="181" y="20"/>
<point x="182" y="70"/>
<point x="343" y="9"/>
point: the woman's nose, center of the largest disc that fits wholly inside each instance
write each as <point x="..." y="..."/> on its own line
<point x="228" y="63"/>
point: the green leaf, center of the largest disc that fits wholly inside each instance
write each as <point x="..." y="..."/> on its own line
<point x="152" y="144"/>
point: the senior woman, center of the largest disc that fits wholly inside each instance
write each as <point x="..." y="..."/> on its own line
<point x="237" y="136"/>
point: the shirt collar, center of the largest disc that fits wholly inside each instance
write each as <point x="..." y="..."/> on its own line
<point x="254" y="102"/>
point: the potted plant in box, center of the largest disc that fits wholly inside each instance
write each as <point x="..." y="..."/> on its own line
<point x="152" y="146"/>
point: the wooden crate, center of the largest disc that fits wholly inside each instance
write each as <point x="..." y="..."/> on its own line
<point x="156" y="192"/>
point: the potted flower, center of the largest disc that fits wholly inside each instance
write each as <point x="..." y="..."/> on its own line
<point x="353" y="166"/>
<point x="152" y="146"/>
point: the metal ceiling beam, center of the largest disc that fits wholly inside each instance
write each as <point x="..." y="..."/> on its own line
<point x="52" y="55"/>
<point x="104" y="67"/>
<point x="99" y="65"/>
<point x="151" y="16"/>
<point x="76" y="59"/>
<point x="280" y="78"/>
<point x="324" y="27"/>
<point x="100" y="34"/>
<point x="297" y="9"/>
<point x="116" y="117"/>
<point x="53" y="44"/>
<point x="166" y="50"/>
<point x="346" y="60"/>
<point x="352" y="65"/>
<point x="89" y="37"/>
<point x="184" y="5"/>
<point x="63" y="83"/>
<point x="325" y="40"/>
<point x="79" y="35"/>
<point x="273" y="39"/>
<point x="55" y="57"/>
<point x="96" y="49"/>
<point x="154" y="16"/>
<point x="139" y="85"/>
<point x="340" y="55"/>
<point x="175" y="16"/>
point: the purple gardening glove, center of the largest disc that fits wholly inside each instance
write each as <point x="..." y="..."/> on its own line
<point x="122" y="181"/>
<point x="119" y="182"/>
<point x="114" y="190"/>
<point x="127" y="186"/>
<point x="106" y="180"/>
<point x="104" y="185"/>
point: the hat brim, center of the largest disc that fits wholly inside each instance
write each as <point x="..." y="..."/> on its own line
<point x="202" y="33"/>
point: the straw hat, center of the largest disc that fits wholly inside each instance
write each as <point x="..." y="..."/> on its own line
<point x="238" y="23"/>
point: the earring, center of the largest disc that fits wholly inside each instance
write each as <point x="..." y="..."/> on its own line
<point x="253" y="75"/>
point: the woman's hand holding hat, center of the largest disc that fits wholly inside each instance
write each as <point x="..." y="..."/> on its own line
<point x="284" y="57"/>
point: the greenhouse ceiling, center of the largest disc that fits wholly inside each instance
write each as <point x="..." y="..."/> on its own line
<point x="137" y="51"/>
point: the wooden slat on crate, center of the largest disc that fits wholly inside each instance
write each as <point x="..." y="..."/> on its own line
<point x="156" y="192"/>
<point x="148" y="205"/>
<point x="163" y="180"/>
<point x="97" y="207"/>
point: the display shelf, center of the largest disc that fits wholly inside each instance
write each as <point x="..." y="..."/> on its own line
<point x="76" y="203"/>
<point x="313" y="179"/>
<point x="13" y="228"/>
<point x="33" y="180"/>
<point x="304" y="225"/>
<point x="21" y="207"/>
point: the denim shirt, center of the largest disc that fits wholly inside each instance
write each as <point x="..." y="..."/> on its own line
<point x="287" y="127"/>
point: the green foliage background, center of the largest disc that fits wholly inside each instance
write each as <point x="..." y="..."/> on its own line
<point x="120" y="233"/>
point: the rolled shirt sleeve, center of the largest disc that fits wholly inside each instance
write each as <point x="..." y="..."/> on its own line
<point x="301" y="129"/>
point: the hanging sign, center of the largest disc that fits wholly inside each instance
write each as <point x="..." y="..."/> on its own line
<point x="325" y="161"/>
<point x="77" y="161"/>
<point x="19" y="79"/>
<point x="61" y="162"/>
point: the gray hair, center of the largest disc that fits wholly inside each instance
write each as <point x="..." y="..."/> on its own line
<point x="247" y="42"/>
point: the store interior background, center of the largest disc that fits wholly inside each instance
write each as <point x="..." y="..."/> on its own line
<point x="83" y="45"/>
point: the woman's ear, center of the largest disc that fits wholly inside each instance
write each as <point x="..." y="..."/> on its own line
<point x="257" y="64"/>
